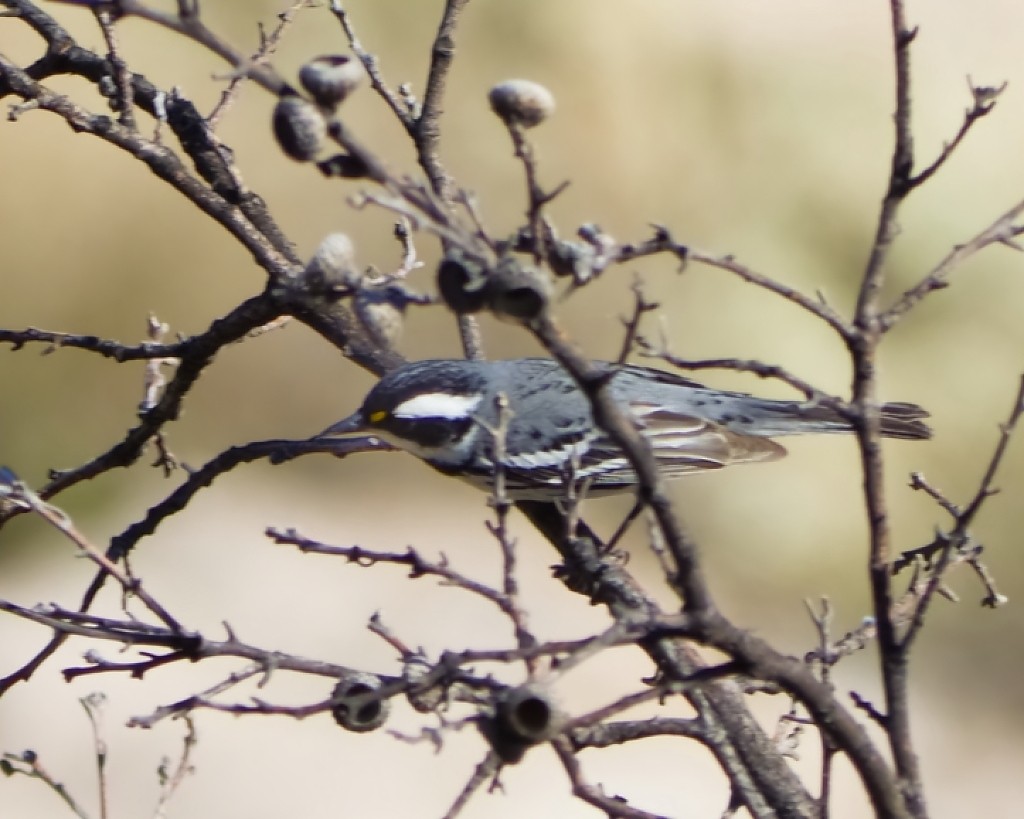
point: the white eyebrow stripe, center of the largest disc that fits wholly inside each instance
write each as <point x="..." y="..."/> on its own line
<point x="438" y="405"/>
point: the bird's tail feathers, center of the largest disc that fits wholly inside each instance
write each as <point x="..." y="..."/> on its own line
<point x="899" y="420"/>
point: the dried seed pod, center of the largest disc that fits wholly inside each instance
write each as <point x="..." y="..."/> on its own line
<point x="524" y="716"/>
<point x="355" y="711"/>
<point x="343" y="165"/>
<point x="299" y="127"/>
<point x="462" y="282"/>
<point x="331" y="78"/>
<point x="517" y="293"/>
<point x="333" y="265"/>
<point x="425" y="700"/>
<point x="521" y="102"/>
<point x="381" y="311"/>
<point x="574" y="259"/>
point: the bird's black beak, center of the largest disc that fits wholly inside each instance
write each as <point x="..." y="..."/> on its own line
<point x="354" y="423"/>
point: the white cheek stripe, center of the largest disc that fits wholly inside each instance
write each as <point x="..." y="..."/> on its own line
<point x="438" y="405"/>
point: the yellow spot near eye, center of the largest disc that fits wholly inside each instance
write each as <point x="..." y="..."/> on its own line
<point x="378" y="416"/>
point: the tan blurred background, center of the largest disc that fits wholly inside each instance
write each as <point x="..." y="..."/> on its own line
<point x="758" y="129"/>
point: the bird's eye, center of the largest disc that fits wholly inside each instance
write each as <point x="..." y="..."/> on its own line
<point x="378" y="416"/>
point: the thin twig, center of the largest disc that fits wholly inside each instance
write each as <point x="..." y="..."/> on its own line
<point x="614" y="807"/>
<point x="372" y="66"/>
<point x="28" y="764"/>
<point x="268" y="45"/>
<point x="663" y="242"/>
<point x="1002" y="231"/>
<point x="277" y="451"/>
<point x="641" y="307"/>
<point x="985" y="489"/>
<point x="502" y="505"/>
<point x="744" y="365"/>
<point x="18" y="493"/>
<point x="106" y="348"/>
<point x="484" y="770"/>
<point x="427" y="132"/>
<point x="983" y="100"/>
<point x="418" y="565"/>
<point x="94" y="705"/>
<point x="170" y="782"/>
<point x="122" y="75"/>
<point x="192" y="27"/>
<point x="953" y="547"/>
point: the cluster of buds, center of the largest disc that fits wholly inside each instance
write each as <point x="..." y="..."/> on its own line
<point x="511" y="290"/>
<point x="300" y="124"/>
<point x="508" y="287"/>
<point x="379" y="302"/>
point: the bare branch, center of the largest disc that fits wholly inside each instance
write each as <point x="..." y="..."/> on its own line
<point x="1002" y="231"/>
<point x="427" y="132"/>
<point x="983" y="100"/>
<point x="192" y="27"/>
<point x="28" y="764"/>
<point x="370" y="62"/>
<point x="19" y="494"/>
<point x="268" y="46"/>
<point x="171" y="780"/>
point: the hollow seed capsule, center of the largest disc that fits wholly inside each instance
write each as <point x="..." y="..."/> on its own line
<point x="331" y="78"/>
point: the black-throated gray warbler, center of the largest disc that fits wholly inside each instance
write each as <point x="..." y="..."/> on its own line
<point x="445" y="412"/>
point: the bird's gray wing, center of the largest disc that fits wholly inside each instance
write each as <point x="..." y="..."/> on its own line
<point x="682" y="443"/>
<point x="685" y="443"/>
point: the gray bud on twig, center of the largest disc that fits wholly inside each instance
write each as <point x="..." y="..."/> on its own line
<point x="299" y="127"/>
<point x="331" y="78"/>
<point x="381" y="311"/>
<point x="521" y="102"/>
<point x="333" y="265"/>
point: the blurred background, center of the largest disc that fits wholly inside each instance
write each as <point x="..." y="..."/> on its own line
<point x="760" y="130"/>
